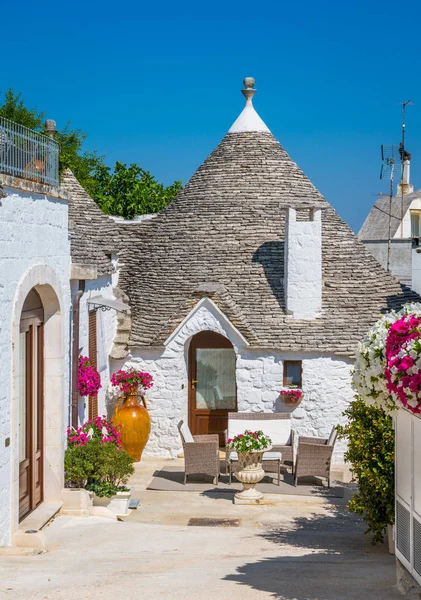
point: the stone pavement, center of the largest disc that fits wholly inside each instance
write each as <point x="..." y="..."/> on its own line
<point x="302" y="549"/>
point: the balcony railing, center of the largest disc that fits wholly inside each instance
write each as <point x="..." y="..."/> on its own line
<point x="28" y="154"/>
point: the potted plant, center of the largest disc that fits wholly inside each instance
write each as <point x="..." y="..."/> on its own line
<point x="95" y="460"/>
<point x="132" y="417"/>
<point x="250" y="447"/>
<point x="291" y="396"/>
<point x="88" y="380"/>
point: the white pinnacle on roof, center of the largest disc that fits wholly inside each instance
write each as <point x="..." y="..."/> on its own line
<point x="248" y="120"/>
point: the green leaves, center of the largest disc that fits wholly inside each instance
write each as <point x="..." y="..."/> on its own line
<point x="130" y="191"/>
<point x="126" y="191"/>
<point x="371" y="453"/>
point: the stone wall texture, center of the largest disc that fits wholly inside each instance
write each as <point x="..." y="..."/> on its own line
<point x="259" y="374"/>
<point x="33" y="231"/>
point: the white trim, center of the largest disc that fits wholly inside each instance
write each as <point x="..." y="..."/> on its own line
<point x="207" y="303"/>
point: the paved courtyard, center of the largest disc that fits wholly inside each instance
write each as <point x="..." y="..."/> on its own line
<point x="300" y="549"/>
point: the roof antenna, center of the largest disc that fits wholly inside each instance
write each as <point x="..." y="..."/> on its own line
<point x="388" y="172"/>
<point x="404" y="187"/>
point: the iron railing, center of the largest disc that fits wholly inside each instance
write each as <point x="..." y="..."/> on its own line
<point x="28" y="154"/>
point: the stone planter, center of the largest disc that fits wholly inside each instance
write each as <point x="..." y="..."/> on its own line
<point x="249" y="473"/>
<point x="118" y="504"/>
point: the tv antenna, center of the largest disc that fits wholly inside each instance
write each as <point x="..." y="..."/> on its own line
<point x="404" y="156"/>
<point x="387" y="171"/>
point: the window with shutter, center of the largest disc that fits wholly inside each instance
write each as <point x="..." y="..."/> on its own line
<point x="93" y="400"/>
<point x="415" y="224"/>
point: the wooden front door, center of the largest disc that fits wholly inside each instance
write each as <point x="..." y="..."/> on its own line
<point x="31" y="405"/>
<point x="212" y="384"/>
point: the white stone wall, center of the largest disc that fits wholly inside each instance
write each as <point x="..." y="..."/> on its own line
<point x="106" y="328"/>
<point x="34" y="249"/>
<point x="326" y="383"/>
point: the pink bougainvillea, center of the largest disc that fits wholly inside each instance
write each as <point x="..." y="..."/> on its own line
<point x="130" y="378"/>
<point x="98" y="429"/>
<point x="88" y="380"/>
<point x="403" y="362"/>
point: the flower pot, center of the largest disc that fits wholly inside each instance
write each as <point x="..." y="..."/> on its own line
<point x="291" y="399"/>
<point x="249" y="473"/>
<point x="135" y="423"/>
<point x="118" y="504"/>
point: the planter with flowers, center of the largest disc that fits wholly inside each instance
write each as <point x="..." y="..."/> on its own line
<point x="291" y="397"/>
<point x="250" y="447"/>
<point x="129" y="414"/>
<point x="89" y="380"/>
<point x="94" y="460"/>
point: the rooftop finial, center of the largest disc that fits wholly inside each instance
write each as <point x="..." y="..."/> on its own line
<point x="248" y="120"/>
<point x="248" y="92"/>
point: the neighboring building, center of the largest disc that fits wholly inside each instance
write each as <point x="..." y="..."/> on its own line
<point x="34" y="324"/>
<point x="54" y="240"/>
<point x="403" y="254"/>
<point x="247" y="283"/>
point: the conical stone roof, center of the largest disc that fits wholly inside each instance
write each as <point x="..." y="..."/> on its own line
<point x="223" y="237"/>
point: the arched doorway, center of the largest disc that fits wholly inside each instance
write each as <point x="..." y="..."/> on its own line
<point x="31" y="404"/>
<point x="212" y="383"/>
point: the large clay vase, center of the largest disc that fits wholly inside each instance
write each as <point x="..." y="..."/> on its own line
<point x="135" y="423"/>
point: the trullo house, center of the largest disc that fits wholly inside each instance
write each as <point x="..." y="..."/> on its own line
<point x="248" y="283"/>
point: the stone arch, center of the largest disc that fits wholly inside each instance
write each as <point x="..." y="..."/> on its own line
<point x="44" y="281"/>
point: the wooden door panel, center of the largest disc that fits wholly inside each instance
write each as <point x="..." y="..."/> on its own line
<point x="218" y="386"/>
<point x="31" y="409"/>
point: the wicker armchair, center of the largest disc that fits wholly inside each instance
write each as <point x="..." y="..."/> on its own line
<point x="201" y="453"/>
<point x="315" y="456"/>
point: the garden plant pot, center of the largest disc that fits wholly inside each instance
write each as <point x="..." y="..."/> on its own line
<point x="249" y="473"/>
<point x="135" y="423"/>
<point x="291" y="400"/>
<point x="118" y="504"/>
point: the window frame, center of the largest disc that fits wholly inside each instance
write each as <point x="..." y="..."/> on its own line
<point x="285" y="365"/>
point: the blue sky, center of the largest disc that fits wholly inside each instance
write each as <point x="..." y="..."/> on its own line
<point x="158" y="83"/>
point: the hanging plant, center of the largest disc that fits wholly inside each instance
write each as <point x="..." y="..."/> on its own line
<point x="131" y="378"/>
<point x="374" y="376"/>
<point x="88" y="380"/>
<point x="291" y="396"/>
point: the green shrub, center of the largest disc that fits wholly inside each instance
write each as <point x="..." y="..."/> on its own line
<point x="115" y="465"/>
<point x="103" y="466"/>
<point x="371" y="447"/>
<point x="80" y="463"/>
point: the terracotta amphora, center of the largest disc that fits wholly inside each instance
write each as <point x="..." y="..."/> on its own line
<point x="135" y="422"/>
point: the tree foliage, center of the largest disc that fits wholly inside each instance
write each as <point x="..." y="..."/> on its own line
<point x="15" y="110"/>
<point x="126" y="191"/>
<point x="371" y="447"/>
<point x="130" y="190"/>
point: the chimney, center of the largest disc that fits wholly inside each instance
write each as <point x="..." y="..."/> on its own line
<point x="404" y="187"/>
<point x="50" y="128"/>
<point x="303" y="264"/>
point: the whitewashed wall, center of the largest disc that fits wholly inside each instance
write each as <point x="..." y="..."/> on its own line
<point x="326" y="383"/>
<point x="34" y="248"/>
<point x="106" y="328"/>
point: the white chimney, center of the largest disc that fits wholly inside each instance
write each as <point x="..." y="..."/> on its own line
<point x="303" y="265"/>
<point x="405" y="187"/>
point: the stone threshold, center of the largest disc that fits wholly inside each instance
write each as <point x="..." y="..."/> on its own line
<point x="40" y="517"/>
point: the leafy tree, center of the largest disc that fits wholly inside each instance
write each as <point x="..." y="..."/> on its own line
<point x="131" y="191"/>
<point x="125" y="191"/>
<point x="14" y="109"/>
<point x="371" y="447"/>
